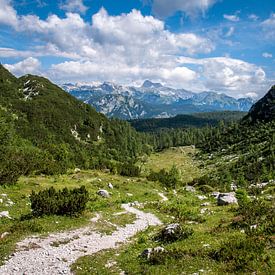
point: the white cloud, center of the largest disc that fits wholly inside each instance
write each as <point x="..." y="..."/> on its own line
<point x="253" y="17"/>
<point x="269" y="26"/>
<point x="267" y="55"/>
<point x="231" y="17"/>
<point x="8" y="15"/>
<point x="233" y="76"/>
<point x="164" y="8"/>
<point x="230" y="31"/>
<point x="29" y="65"/>
<point x="74" y="6"/>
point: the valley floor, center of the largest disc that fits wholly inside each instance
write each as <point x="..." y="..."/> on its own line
<point x="98" y="241"/>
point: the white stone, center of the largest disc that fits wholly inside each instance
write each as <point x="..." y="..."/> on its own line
<point x="5" y="214"/>
<point x="227" y="198"/>
<point x="103" y="193"/>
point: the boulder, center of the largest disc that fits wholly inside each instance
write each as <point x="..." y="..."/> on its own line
<point x="103" y="193"/>
<point x="147" y="253"/>
<point x="170" y="230"/>
<point x="227" y="198"/>
<point x="215" y="194"/>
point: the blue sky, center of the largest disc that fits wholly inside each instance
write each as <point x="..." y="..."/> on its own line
<point x="219" y="45"/>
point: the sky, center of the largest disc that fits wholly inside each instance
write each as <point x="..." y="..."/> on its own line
<point x="225" y="46"/>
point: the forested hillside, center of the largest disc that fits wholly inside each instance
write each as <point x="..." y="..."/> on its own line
<point x="46" y="130"/>
<point x="196" y="120"/>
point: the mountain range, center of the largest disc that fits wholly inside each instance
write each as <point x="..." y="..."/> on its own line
<point x="152" y="100"/>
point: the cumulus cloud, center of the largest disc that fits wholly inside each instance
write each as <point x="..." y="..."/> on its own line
<point x="74" y="6"/>
<point x="231" y="17"/>
<point x="267" y="55"/>
<point x="164" y="8"/>
<point x="233" y="76"/>
<point x="29" y="65"/>
<point x="8" y="15"/>
<point x="119" y="48"/>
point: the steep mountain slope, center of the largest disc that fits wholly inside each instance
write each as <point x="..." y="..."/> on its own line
<point x="59" y="130"/>
<point x="152" y="100"/>
<point x="264" y="109"/>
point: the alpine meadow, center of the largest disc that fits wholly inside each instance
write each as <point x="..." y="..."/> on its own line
<point x="137" y="137"/>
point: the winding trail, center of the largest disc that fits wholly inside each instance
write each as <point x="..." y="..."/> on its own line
<point x="36" y="255"/>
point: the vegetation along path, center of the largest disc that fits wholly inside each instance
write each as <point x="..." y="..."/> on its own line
<point x="55" y="253"/>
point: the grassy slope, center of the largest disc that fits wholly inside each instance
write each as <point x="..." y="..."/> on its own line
<point x="210" y="229"/>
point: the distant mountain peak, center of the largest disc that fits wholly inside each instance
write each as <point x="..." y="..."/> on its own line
<point x="150" y="84"/>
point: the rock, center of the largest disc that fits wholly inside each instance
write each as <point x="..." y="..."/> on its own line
<point x="110" y="185"/>
<point x="4" y="195"/>
<point x="203" y="210"/>
<point x="233" y="187"/>
<point x="215" y="194"/>
<point x="201" y="197"/>
<point x="205" y="204"/>
<point x="3" y="235"/>
<point x="77" y="170"/>
<point x="189" y="188"/>
<point x="103" y="193"/>
<point x="226" y="198"/>
<point x="1" y="200"/>
<point x="148" y="251"/>
<point x="135" y="203"/>
<point x="254" y="226"/>
<point x="5" y="214"/>
<point x="129" y="194"/>
<point x="170" y="230"/>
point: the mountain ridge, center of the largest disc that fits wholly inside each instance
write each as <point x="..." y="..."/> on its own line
<point x="152" y="100"/>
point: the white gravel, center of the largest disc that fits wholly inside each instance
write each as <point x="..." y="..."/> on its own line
<point x="36" y="255"/>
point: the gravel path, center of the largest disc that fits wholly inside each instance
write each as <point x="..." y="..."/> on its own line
<point x="37" y="255"/>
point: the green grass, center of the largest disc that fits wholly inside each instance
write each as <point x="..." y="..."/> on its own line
<point x="182" y="157"/>
<point x="188" y="256"/>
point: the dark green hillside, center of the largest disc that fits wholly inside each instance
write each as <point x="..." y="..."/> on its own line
<point x="264" y="109"/>
<point x="186" y="121"/>
<point x="64" y="131"/>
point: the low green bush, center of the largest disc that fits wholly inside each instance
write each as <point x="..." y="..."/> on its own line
<point x="242" y="254"/>
<point x="169" y="179"/>
<point x="179" y="233"/>
<point x="62" y="202"/>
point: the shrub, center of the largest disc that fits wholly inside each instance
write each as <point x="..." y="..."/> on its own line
<point x="241" y="254"/>
<point x="128" y="170"/>
<point x="168" y="179"/>
<point x="178" y="233"/>
<point x="242" y="197"/>
<point x="63" y="202"/>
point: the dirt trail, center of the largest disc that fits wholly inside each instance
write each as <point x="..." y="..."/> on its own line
<point x="55" y="253"/>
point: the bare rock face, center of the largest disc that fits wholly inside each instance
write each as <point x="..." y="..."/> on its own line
<point x="103" y="193"/>
<point x="226" y="198"/>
